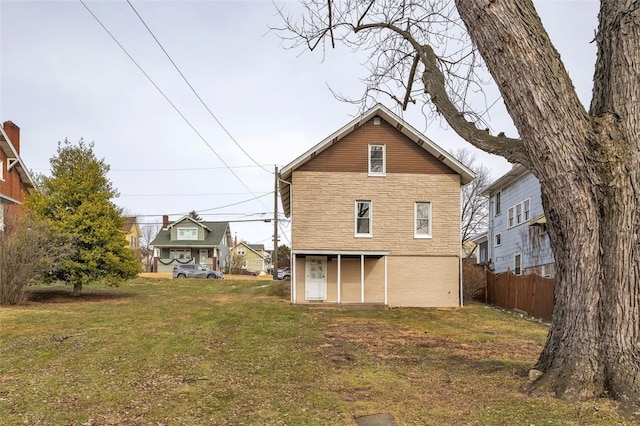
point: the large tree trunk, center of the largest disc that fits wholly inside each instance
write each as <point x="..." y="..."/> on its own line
<point x="588" y="165"/>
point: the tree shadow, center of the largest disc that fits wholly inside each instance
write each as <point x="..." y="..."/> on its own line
<point x="57" y="295"/>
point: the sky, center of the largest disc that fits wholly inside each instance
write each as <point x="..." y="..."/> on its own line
<point x="62" y="76"/>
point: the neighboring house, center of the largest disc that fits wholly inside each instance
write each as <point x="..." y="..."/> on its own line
<point x="254" y="257"/>
<point x="517" y="239"/>
<point x="15" y="180"/>
<point x="132" y="232"/>
<point x="189" y="241"/>
<point x="375" y="210"/>
<point x="482" y="249"/>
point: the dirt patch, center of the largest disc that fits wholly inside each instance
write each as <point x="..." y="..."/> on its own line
<point x="401" y="345"/>
<point x="63" y="296"/>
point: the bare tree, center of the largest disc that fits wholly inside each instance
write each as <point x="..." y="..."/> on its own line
<point x="28" y="250"/>
<point x="475" y="206"/>
<point x="148" y="232"/>
<point x="587" y="162"/>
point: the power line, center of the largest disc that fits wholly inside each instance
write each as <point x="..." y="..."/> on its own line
<point x="190" y="194"/>
<point x="166" y="97"/>
<point x="193" y="90"/>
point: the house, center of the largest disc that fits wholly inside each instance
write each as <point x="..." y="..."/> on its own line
<point x="375" y="211"/>
<point x="252" y="257"/>
<point x="132" y="232"/>
<point x="190" y="241"/>
<point x="517" y="238"/>
<point x="15" y="180"/>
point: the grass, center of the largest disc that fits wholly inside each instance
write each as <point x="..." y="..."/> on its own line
<point x="200" y="352"/>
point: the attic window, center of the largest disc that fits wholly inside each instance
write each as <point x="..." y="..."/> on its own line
<point x="187" y="233"/>
<point x="376" y="121"/>
<point x="377" y="154"/>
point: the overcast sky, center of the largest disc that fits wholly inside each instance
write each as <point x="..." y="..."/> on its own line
<point x="63" y="76"/>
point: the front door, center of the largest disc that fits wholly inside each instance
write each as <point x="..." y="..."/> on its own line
<point x="316" y="278"/>
<point x="204" y="258"/>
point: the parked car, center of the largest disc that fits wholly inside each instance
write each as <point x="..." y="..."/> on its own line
<point x="195" y="271"/>
<point x="284" y="274"/>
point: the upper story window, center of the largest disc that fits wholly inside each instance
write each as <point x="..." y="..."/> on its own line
<point x="498" y="204"/>
<point x="377" y="160"/>
<point x="187" y="233"/>
<point x="422" y="220"/>
<point x="519" y="213"/>
<point x="363" y="218"/>
<point x="240" y="250"/>
<point x="1" y="170"/>
<point x="498" y="239"/>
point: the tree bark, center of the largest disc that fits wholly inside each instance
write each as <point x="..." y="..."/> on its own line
<point x="588" y="167"/>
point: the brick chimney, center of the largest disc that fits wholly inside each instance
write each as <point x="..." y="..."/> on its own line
<point x="165" y="221"/>
<point x="13" y="132"/>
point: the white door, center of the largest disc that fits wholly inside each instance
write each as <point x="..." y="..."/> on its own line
<point x="205" y="259"/>
<point x="316" y="278"/>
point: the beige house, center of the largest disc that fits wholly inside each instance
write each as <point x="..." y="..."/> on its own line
<point x="375" y="210"/>
<point x="252" y="257"/>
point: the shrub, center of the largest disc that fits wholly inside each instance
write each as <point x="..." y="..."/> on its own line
<point x="474" y="280"/>
<point x="28" y="249"/>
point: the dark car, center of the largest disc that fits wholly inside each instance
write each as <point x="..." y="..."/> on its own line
<point x="195" y="271"/>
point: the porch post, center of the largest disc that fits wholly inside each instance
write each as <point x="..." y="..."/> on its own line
<point x="385" y="281"/>
<point x="362" y="278"/>
<point x="339" y="278"/>
<point x="293" y="279"/>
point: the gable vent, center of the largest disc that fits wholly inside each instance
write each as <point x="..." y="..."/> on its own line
<point x="376" y="121"/>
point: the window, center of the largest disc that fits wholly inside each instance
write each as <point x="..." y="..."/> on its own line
<point x="498" y="239"/>
<point x="244" y="264"/>
<point x="498" y="205"/>
<point x="180" y="254"/>
<point x="377" y="160"/>
<point x="1" y="170"/>
<point x="240" y="251"/>
<point x="422" y="224"/>
<point x="517" y="264"/>
<point x="519" y="213"/>
<point x="187" y="233"/>
<point x="363" y="218"/>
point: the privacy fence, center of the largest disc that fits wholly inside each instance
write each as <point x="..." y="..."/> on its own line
<point x="531" y="293"/>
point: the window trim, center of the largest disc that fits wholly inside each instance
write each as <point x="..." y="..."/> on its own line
<point x="498" y="203"/>
<point x="496" y="237"/>
<point x="429" y="218"/>
<point x="1" y="170"/>
<point x="355" y="213"/>
<point x="384" y="159"/>
<point x="517" y="215"/>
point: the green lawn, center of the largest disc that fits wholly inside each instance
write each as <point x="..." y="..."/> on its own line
<point x="205" y="352"/>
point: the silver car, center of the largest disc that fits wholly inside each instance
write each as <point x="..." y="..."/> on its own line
<point x="195" y="271"/>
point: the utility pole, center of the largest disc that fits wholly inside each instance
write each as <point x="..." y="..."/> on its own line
<point x="275" y="225"/>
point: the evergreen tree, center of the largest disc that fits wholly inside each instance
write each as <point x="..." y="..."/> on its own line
<point x="76" y="201"/>
<point x="195" y="216"/>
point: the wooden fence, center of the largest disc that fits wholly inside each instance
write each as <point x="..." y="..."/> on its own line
<point x="531" y="293"/>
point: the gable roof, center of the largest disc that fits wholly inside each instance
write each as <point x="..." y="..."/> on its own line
<point x="379" y="110"/>
<point x="217" y="232"/>
<point x="516" y="172"/>
<point x="128" y="223"/>
<point x="187" y="217"/>
<point x="254" y="248"/>
<point x="10" y="152"/>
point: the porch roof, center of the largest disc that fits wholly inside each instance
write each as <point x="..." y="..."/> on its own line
<point x="312" y="252"/>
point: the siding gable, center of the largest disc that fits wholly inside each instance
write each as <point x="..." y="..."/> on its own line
<point x="350" y="154"/>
